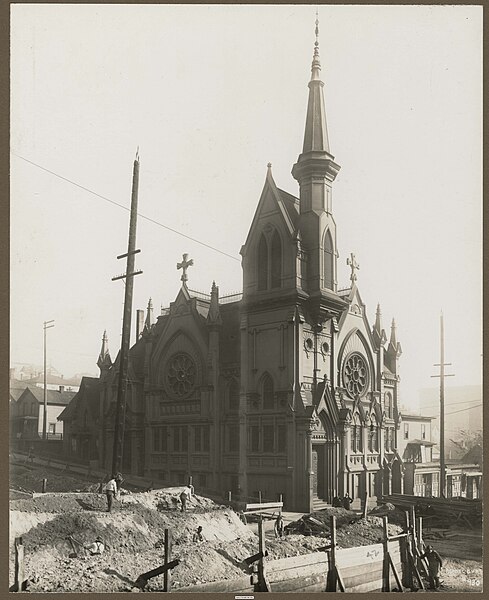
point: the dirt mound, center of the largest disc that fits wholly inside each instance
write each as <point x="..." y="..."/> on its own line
<point x="168" y="500"/>
<point x="61" y="502"/>
<point x="350" y="529"/>
<point x="29" y="478"/>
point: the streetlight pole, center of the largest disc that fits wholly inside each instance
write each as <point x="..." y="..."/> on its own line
<point x="45" y="413"/>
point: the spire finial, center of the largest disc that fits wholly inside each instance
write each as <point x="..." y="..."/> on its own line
<point x="317" y="27"/>
<point x="316" y="63"/>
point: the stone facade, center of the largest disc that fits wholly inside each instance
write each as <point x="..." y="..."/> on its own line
<point x="285" y="389"/>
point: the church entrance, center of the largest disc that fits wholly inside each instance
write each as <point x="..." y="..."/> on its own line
<point x="317" y="471"/>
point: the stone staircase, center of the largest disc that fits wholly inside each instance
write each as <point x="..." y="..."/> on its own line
<point x="319" y="504"/>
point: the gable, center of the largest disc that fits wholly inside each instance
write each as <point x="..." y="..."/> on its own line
<point x="276" y="207"/>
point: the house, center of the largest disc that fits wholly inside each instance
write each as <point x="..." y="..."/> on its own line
<point x="29" y="415"/>
<point x="80" y="421"/>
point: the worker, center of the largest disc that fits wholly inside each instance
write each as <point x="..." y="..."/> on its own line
<point x="279" y="526"/>
<point x="112" y="490"/>
<point x="347" y="501"/>
<point x="198" y="536"/>
<point x="337" y="502"/>
<point x="185" y="497"/>
<point x="434" y="565"/>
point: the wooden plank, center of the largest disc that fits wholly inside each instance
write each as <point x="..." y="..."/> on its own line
<point x="279" y="564"/>
<point x="396" y="575"/>
<point x="302" y="571"/>
<point x="300" y="583"/>
<point x="265" y="505"/>
<point x="167" y="559"/>
<point x="228" y="585"/>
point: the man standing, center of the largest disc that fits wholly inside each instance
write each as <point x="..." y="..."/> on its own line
<point x="112" y="489"/>
<point x="434" y="565"/>
<point x="184" y="497"/>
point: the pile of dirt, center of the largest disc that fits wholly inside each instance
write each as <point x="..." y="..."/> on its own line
<point x="351" y="530"/>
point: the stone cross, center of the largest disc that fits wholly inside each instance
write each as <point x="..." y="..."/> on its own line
<point x="184" y="265"/>
<point x="354" y="266"/>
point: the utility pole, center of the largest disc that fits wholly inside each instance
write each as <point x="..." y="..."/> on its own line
<point x="126" y="323"/>
<point x="45" y="394"/>
<point x="442" y="364"/>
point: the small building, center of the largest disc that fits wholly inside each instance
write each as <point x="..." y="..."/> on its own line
<point x="54" y="382"/>
<point x="29" y="414"/>
<point x="80" y="422"/>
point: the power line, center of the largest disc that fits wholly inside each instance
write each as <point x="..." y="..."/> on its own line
<point x="426" y="406"/>
<point x="82" y="187"/>
<point x="463" y="409"/>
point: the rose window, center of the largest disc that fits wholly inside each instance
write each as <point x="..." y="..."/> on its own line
<point x="355" y="375"/>
<point x="181" y="374"/>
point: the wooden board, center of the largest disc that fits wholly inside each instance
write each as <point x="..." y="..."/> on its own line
<point x="228" y="585"/>
<point x="280" y="564"/>
<point x="302" y="571"/>
<point x="264" y="506"/>
<point x="300" y="584"/>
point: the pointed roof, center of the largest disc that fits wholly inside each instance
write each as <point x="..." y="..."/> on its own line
<point x="213" y="315"/>
<point x="378" y="331"/>
<point x="149" y="315"/>
<point x="104" y="359"/>
<point x="316" y="132"/>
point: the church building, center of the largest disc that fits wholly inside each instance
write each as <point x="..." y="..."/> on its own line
<point x="283" y="389"/>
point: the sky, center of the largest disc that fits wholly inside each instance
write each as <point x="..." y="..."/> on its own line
<point x="210" y="95"/>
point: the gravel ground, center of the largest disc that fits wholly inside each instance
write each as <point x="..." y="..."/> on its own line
<point x="134" y="531"/>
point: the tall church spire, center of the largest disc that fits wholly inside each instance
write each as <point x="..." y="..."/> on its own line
<point x="316" y="132"/>
<point x="315" y="170"/>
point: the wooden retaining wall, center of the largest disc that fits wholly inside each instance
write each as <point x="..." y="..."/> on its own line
<point x="373" y="568"/>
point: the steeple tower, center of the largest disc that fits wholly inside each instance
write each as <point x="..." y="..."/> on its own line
<point x="104" y="361"/>
<point x="315" y="170"/>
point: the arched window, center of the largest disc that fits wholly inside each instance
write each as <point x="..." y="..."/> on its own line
<point x="356" y="437"/>
<point x="328" y="261"/>
<point x="262" y="264"/>
<point x="373" y="437"/>
<point x="233" y="393"/>
<point x="388" y="405"/>
<point x="276" y="261"/>
<point x="267" y="392"/>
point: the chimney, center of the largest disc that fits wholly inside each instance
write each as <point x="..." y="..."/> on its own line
<point x="61" y="388"/>
<point x="139" y="323"/>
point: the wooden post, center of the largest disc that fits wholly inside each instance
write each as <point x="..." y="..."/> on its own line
<point x="167" y="559"/>
<point x="365" y="504"/>
<point x="419" y="546"/>
<point x="190" y="478"/>
<point x="259" y="497"/>
<point x="281" y="499"/>
<point x="263" y="584"/>
<point x="229" y="496"/>
<point x="44" y="485"/>
<point x="386" y="586"/>
<point x="19" y="583"/>
<point x="334" y="579"/>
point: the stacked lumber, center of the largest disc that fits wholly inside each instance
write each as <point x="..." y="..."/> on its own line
<point x="453" y="509"/>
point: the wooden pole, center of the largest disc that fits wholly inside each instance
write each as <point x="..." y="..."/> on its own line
<point x="263" y="584"/>
<point x="44" y="485"/>
<point x="386" y="587"/>
<point x="19" y="584"/>
<point x="167" y="559"/>
<point x="365" y="502"/>
<point x="259" y="497"/>
<point x="126" y="326"/>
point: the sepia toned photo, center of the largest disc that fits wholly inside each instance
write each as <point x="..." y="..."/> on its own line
<point x="245" y="298"/>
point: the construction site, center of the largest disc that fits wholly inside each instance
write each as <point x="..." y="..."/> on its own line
<point x="57" y="512"/>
